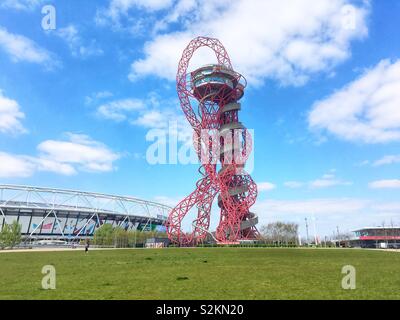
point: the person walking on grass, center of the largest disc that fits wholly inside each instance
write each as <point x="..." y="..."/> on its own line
<point x="87" y="245"/>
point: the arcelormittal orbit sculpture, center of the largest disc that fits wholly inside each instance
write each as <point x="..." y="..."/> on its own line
<point x="223" y="145"/>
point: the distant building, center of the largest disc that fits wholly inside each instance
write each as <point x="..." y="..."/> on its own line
<point x="376" y="237"/>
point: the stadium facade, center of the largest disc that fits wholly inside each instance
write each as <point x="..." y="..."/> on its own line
<point x="46" y="213"/>
<point x="376" y="237"/>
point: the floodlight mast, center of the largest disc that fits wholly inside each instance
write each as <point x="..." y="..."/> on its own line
<point x="218" y="136"/>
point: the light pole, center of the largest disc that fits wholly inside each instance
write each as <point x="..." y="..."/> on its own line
<point x="315" y="231"/>
<point x="393" y="234"/>
<point x="386" y="236"/>
<point x="307" y="230"/>
<point x="338" y="235"/>
<point x="135" y="236"/>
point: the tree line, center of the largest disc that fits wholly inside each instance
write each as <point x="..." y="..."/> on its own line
<point x="281" y="233"/>
<point x="118" y="237"/>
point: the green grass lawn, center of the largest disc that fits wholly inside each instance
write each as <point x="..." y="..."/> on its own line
<point x="204" y="273"/>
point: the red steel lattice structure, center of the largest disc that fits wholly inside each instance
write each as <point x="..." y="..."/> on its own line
<point x="222" y="142"/>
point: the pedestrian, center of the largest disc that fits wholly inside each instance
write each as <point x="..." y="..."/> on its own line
<point x="87" y="246"/>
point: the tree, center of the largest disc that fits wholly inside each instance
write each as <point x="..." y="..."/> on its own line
<point x="15" y="234"/>
<point x="120" y="237"/>
<point x="280" y="232"/>
<point x="104" y="235"/>
<point x="10" y="236"/>
<point x="3" y="236"/>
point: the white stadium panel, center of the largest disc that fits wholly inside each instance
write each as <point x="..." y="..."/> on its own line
<point x="79" y="229"/>
<point x="59" y="226"/>
<point x="85" y="227"/>
<point x="11" y="218"/>
<point x="47" y="225"/>
<point x="24" y="222"/>
<point x="90" y="228"/>
<point x="70" y="226"/>
<point x="35" y="225"/>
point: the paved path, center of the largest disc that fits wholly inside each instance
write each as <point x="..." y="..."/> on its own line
<point x="49" y="249"/>
<point x="52" y="249"/>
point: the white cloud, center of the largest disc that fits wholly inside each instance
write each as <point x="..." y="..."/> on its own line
<point x="150" y="119"/>
<point x="265" y="186"/>
<point x="150" y="113"/>
<point x="169" y="201"/>
<point x="13" y="166"/>
<point x="96" y="96"/>
<point x="43" y="164"/>
<point x="326" y="181"/>
<point x="118" y="8"/>
<point x="390" y="159"/>
<point x="120" y="110"/>
<point x="316" y="206"/>
<point x="121" y="7"/>
<point x="388" y="207"/>
<point x="366" y="110"/>
<point x="103" y="94"/>
<point x="347" y="213"/>
<point x="285" y="40"/>
<point x="155" y="62"/>
<point x="385" y="184"/>
<point x="117" y="15"/>
<point x="20" y="48"/>
<point x="71" y="36"/>
<point x="363" y="163"/>
<point x="21" y="4"/>
<point x="78" y="153"/>
<point x="81" y="151"/>
<point x="10" y="116"/>
<point x="293" y="184"/>
<point x="178" y="12"/>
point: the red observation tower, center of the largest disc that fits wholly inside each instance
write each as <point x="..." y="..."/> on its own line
<point x="223" y="145"/>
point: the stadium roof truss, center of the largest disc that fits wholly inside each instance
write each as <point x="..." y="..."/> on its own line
<point x="53" y="201"/>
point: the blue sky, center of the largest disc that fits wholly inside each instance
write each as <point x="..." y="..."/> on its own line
<point x="77" y="102"/>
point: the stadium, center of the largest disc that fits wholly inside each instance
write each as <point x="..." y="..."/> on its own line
<point x="70" y="215"/>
